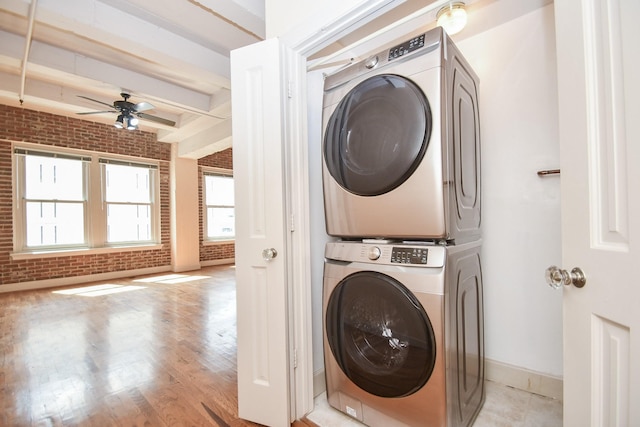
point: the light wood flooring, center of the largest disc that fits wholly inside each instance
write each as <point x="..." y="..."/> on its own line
<point x="156" y="350"/>
<point x="147" y="351"/>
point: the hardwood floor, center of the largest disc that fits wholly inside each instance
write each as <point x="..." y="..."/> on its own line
<point x="148" y="351"/>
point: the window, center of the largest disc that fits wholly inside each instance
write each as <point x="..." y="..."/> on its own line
<point x="53" y="199"/>
<point x="128" y="198"/>
<point x="71" y="201"/>
<point x="219" y="206"/>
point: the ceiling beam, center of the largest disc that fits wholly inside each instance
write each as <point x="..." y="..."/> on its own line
<point x="212" y="140"/>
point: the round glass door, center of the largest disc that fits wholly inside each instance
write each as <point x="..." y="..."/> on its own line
<point x="377" y="135"/>
<point x="380" y="335"/>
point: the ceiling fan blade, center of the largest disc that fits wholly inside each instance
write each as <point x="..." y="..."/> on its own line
<point x="156" y="119"/>
<point x="96" y="112"/>
<point x="95" y="100"/>
<point x="142" y="106"/>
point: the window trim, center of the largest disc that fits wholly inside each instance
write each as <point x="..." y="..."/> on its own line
<point x="213" y="171"/>
<point x="95" y="215"/>
<point x="82" y="251"/>
<point x="154" y="198"/>
<point x="20" y="201"/>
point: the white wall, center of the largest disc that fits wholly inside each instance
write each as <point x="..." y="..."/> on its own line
<point x="516" y="63"/>
<point x="521" y="212"/>
<point x="296" y="20"/>
<point x="287" y="16"/>
<point x="185" y="209"/>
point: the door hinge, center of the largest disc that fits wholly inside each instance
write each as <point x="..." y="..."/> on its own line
<point x="292" y="225"/>
<point x="295" y="358"/>
<point x="289" y="89"/>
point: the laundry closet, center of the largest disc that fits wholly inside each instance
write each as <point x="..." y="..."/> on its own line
<point x="402" y="294"/>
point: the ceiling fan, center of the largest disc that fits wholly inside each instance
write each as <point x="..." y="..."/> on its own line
<point x="128" y="112"/>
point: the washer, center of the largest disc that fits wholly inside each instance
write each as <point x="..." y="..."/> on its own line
<point x="401" y="144"/>
<point x="403" y="332"/>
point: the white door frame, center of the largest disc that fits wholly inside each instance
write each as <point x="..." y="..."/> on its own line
<point x="298" y="48"/>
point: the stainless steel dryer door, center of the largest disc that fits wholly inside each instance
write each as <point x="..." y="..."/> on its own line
<point x="380" y="335"/>
<point x="378" y="134"/>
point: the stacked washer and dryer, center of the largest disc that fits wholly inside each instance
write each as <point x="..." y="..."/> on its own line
<point x="402" y="298"/>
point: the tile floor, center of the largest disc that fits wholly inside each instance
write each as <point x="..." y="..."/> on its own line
<point x="503" y="407"/>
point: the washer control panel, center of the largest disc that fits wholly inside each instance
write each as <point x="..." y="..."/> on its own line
<point x="396" y="253"/>
<point x="406" y="47"/>
<point x="409" y="255"/>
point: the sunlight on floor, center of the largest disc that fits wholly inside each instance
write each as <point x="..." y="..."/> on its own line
<point x="98" y="290"/>
<point x="172" y="278"/>
<point x="108" y="288"/>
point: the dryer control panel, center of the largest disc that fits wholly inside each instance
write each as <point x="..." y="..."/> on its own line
<point x="406" y="47"/>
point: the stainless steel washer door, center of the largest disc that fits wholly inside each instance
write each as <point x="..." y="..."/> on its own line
<point x="378" y="134"/>
<point x="380" y="335"/>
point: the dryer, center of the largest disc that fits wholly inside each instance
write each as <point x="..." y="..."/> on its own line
<point x="401" y="148"/>
<point x="403" y="333"/>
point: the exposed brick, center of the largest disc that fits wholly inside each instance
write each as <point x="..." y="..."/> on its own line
<point x="24" y="125"/>
<point x="221" y="159"/>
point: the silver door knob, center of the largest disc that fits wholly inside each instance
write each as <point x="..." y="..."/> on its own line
<point x="557" y="277"/>
<point x="269" y="254"/>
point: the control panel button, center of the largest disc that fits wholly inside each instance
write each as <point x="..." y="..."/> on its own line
<point x="371" y="62"/>
<point x="374" y="253"/>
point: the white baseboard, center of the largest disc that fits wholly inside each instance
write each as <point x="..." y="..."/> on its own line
<point x="523" y="379"/>
<point x="185" y="268"/>
<point x="218" y="262"/>
<point x="513" y="376"/>
<point x="67" y="281"/>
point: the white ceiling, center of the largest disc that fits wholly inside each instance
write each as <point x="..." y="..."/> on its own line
<point x="173" y="54"/>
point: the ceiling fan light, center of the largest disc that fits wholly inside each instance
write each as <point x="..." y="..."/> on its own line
<point x="119" y="122"/>
<point x="132" y="123"/>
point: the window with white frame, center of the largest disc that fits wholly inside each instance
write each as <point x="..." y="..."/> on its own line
<point x="219" y="218"/>
<point x="128" y="196"/>
<point x="53" y="199"/>
<point x="67" y="200"/>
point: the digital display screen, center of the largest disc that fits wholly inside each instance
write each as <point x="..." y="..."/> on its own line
<point x="406" y="47"/>
<point x="409" y="255"/>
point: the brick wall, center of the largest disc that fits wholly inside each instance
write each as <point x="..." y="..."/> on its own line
<point x="20" y="124"/>
<point x="23" y="125"/>
<point x="221" y="159"/>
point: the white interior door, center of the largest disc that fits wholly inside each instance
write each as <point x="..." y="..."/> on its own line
<point x="598" y="86"/>
<point x="263" y="348"/>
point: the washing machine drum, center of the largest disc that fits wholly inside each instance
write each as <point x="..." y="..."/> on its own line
<point x="377" y="135"/>
<point x="380" y="335"/>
